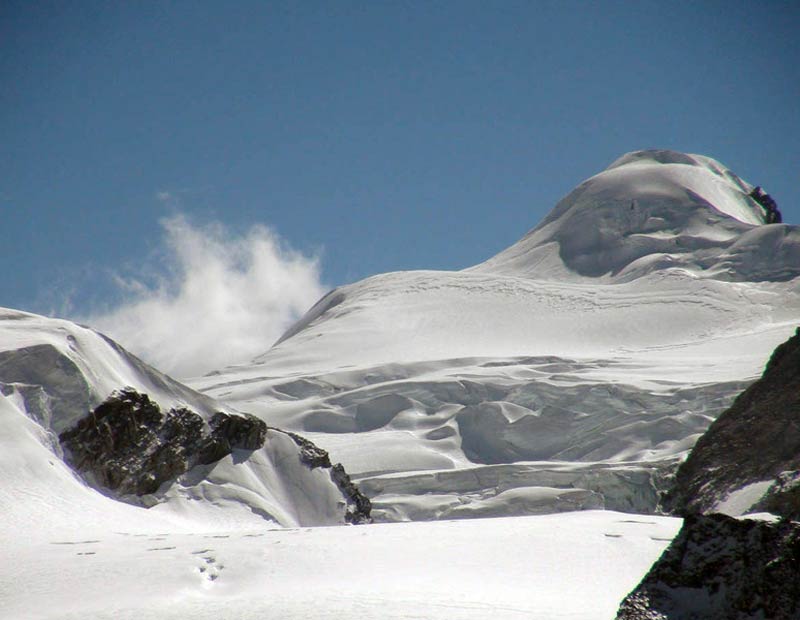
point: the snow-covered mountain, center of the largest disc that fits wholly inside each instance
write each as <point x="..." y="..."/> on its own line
<point x="53" y="373"/>
<point x="571" y="370"/>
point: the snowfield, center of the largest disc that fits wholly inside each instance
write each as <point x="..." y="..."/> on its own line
<point x="512" y="423"/>
<point x="71" y="552"/>
<point x="576" y="566"/>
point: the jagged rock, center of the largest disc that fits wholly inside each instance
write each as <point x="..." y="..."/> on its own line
<point x="129" y="446"/>
<point x="721" y="568"/>
<point x="310" y="454"/>
<point x="756" y="440"/>
<point x="772" y="213"/>
<point x="359" y="506"/>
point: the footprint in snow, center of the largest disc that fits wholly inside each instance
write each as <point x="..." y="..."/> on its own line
<point x="209" y="569"/>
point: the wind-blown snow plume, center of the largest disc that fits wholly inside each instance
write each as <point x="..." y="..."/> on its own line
<point x="220" y="300"/>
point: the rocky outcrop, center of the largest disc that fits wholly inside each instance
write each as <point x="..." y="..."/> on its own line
<point x="310" y="453"/>
<point x="772" y="214"/>
<point x="358" y="505"/>
<point x="756" y="440"/>
<point x="127" y="445"/>
<point x="721" y="568"/>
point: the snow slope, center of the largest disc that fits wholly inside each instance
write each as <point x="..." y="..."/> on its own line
<point x="53" y="372"/>
<point x="569" y="371"/>
<point x="575" y="567"/>
<point x="204" y="551"/>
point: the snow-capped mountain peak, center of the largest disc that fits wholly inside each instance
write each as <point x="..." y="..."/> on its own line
<point x="563" y="372"/>
<point x="648" y="211"/>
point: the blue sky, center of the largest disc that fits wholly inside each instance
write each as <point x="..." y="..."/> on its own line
<point x="376" y="136"/>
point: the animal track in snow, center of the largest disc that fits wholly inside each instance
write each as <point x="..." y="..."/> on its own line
<point x="209" y="568"/>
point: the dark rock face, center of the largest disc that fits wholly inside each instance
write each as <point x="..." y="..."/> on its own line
<point x="129" y="446"/>
<point x="772" y="213"/>
<point x="358" y="505"/>
<point x="721" y="568"/>
<point x="310" y="454"/>
<point x="757" y="439"/>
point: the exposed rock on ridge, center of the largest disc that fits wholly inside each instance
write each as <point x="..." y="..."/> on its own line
<point x="129" y="446"/>
<point x="721" y="568"/>
<point x="772" y="214"/>
<point x="359" y="506"/>
<point x="756" y="440"/>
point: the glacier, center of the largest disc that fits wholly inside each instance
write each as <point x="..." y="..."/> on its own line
<point x="572" y="370"/>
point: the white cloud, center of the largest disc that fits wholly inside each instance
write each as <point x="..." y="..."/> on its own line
<point x="217" y="298"/>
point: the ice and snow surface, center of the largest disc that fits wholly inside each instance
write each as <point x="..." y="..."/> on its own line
<point x="79" y="369"/>
<point x="70" y="552"/>
<point x="577" y="566"/>
<point x="566" y="373"/>
<point x="612" y="333"/>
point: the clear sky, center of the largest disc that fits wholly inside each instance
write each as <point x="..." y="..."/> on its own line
<point x="376" y="136"/>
